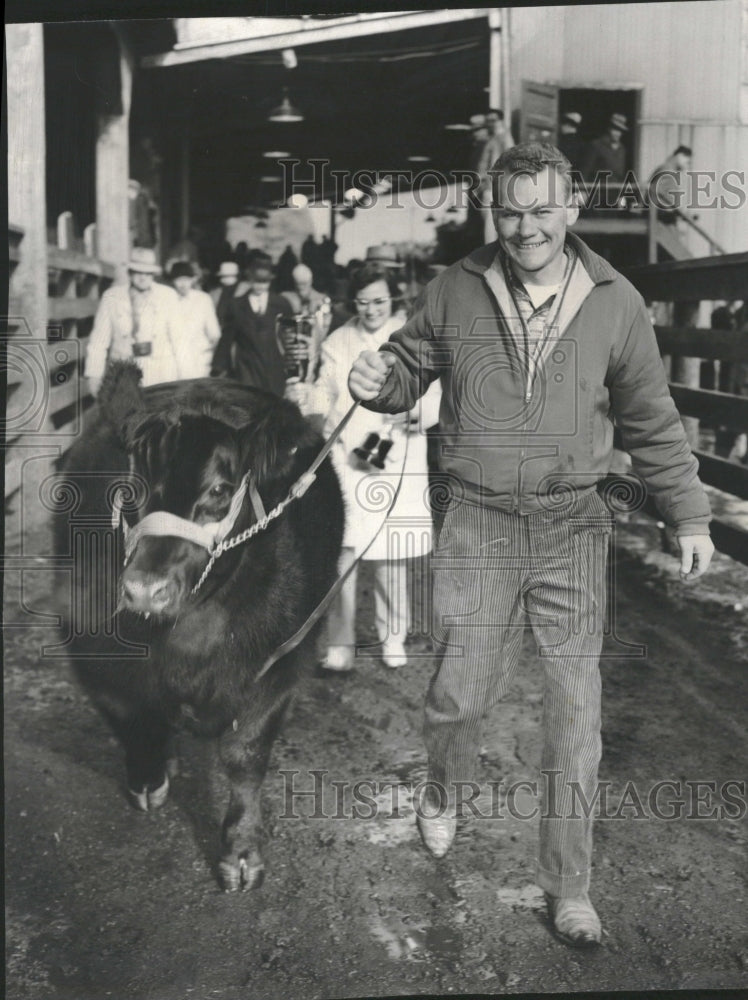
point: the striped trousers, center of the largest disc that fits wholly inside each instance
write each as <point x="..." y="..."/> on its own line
<point x="493" y="572"/>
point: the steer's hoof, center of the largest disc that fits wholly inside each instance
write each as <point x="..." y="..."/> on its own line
<point x="247" y="874"/>
<point x="148" y="798"/>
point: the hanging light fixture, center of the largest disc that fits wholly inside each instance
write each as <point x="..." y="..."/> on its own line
<point x="285" y="112"/>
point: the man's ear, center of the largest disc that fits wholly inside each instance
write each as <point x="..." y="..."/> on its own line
<point x="572" y="214"/>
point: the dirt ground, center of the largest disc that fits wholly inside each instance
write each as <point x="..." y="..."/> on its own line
<point x="104" y="901"/>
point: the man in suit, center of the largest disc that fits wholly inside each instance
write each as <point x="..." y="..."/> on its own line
<point x="249" y="349"/>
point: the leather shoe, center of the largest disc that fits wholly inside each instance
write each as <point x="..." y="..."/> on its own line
<point x="437" y="832"/>
<point x="574" y="920"/>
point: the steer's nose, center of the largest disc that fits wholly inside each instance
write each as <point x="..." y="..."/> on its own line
<point x="142" y="592"/>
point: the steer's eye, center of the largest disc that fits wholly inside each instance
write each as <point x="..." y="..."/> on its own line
<point x="219" y="491"/>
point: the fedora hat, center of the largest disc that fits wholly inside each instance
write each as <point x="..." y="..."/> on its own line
<point x="383" y="254"/>
<point x="143" y="260"/>
<point x="619" y="122"/>
<point x="572" y="116"/>
<point x="228" y="269"/>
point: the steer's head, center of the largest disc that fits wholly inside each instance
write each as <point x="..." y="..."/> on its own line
<point x="193" y="452"/>
<point x="191" y="465"/>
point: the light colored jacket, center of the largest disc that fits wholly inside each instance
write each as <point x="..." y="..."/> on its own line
<point x="198" y="333"/>
<point x="112" y="335"/>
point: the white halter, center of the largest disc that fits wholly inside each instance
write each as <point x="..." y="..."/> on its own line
<point x="161" y="522"/>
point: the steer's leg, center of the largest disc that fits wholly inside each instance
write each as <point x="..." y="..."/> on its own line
<point x="148" y="743"/>
<point x="245" y="753"/>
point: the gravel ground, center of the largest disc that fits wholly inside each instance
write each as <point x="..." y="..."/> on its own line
<point x="107" y="902"/>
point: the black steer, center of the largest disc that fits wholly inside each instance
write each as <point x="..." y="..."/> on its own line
<point x="184" y="447"/>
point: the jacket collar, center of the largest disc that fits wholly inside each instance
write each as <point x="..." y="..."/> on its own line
<point x="599" y="270"/>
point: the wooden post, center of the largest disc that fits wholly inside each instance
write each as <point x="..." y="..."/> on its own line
<point x="652" y="232"/>
<point x="27" y="198"/>
<point x="494" y="58"/>
<point x="112" y="173"/>
<point x="687" y="371"/>
<point x="184" y="180"/>
<point x="506" y="79"/>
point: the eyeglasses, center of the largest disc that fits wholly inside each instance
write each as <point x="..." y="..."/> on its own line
<point x="363" y="303"/>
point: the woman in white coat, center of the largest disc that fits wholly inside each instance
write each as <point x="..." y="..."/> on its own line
<point x="367" y="490"/>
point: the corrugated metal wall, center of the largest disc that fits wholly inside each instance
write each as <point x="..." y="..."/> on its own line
<point x="688" y="59"/>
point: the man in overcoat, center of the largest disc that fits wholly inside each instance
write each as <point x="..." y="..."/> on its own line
<point x="249" y="348"/>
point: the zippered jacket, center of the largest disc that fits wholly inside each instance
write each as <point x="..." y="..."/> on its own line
<point x="520" y="435"/>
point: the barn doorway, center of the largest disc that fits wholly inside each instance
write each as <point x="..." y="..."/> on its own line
<point x="543" y="104"/>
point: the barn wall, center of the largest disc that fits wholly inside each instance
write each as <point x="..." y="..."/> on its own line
<point x="651" y="44"/>
<point x="691" y="61"/>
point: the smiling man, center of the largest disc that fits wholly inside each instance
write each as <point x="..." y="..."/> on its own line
<point x="539" y="344"/>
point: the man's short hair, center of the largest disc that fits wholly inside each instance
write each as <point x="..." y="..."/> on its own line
<point x="530" y="158"/>
<point x="686" y="150"/>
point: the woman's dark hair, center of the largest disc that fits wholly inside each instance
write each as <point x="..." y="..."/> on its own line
<point x="366" y="275"/>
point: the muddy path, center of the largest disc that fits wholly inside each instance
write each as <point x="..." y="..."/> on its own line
<point x="107" y="902"/>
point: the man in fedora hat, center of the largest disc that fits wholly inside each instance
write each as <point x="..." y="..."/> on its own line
<point x="607" y="154"/>
<point x="249" y="348"/>
<point x="137" y="321"/>
<point x="384" y="255"/>
<point x="569" y="141"/>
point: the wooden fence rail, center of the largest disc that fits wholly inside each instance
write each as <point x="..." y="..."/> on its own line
<point x="691" y="281"/>
<point x="46" y="396"/>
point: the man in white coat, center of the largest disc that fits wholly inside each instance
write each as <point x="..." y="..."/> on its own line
<point x="137" y="321"/>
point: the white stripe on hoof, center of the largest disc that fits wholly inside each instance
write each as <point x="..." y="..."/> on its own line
<point x="157" y="797"/>
<point x="139" y="799"/>
<point x="147" y="800"/>
<point x="246" y="875"/>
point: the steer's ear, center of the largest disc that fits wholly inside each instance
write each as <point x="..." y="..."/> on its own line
<point x="271" y="443"/>
<point x="120" y="398"/>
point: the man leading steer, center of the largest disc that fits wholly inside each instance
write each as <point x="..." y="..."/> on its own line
<point x="539" y="344"/>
